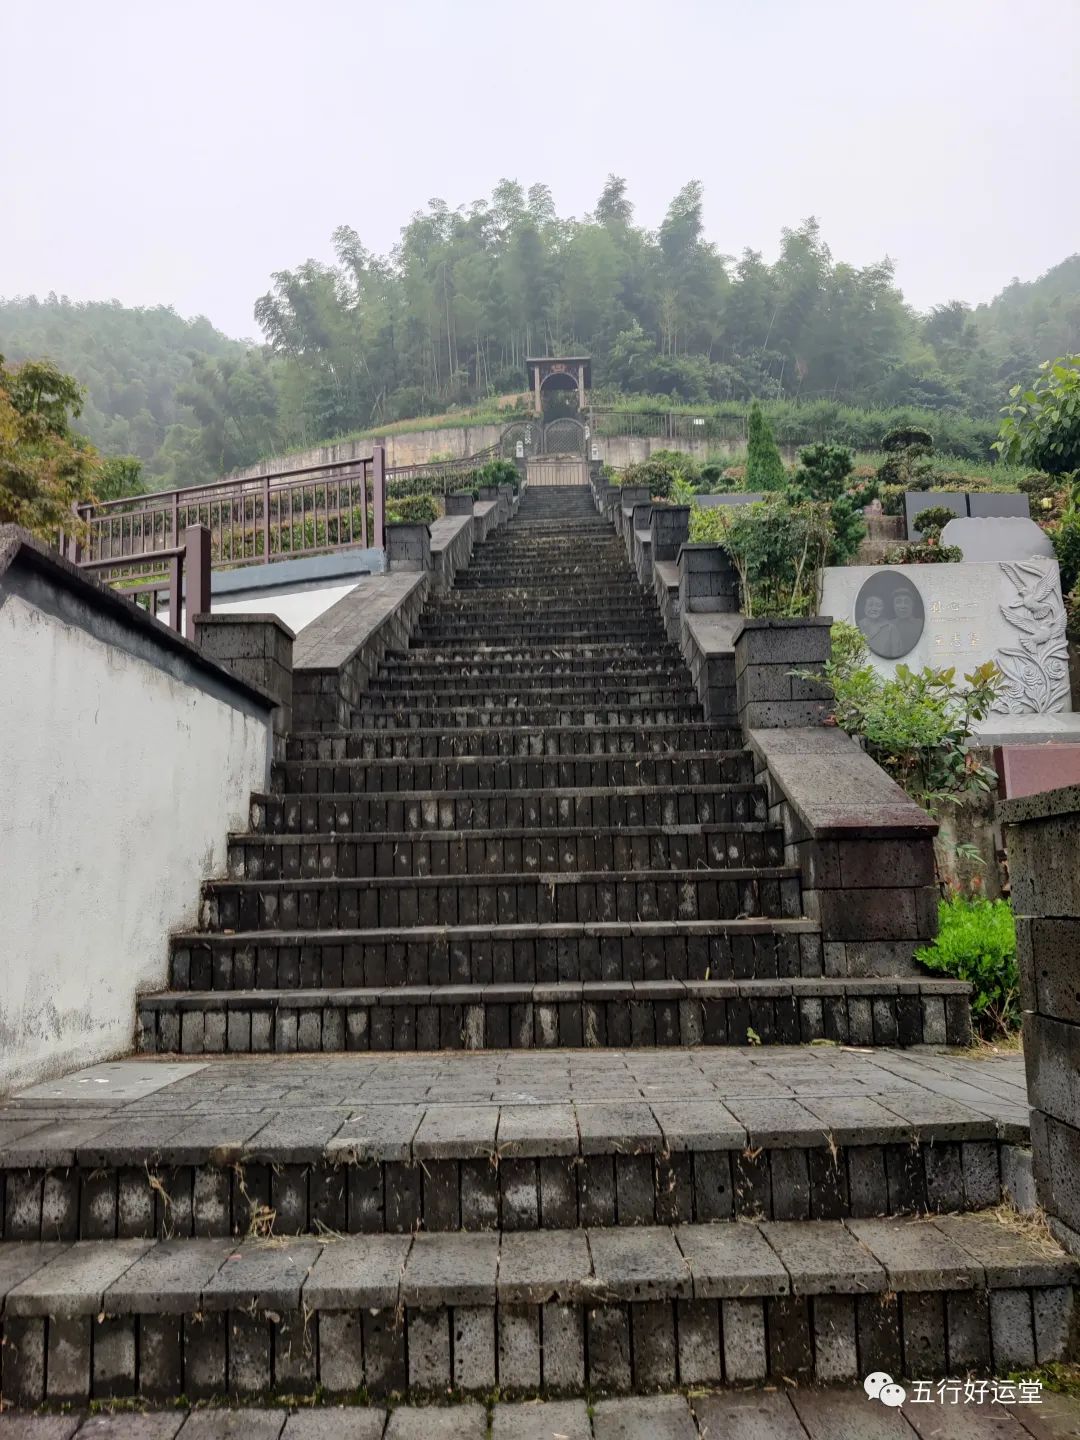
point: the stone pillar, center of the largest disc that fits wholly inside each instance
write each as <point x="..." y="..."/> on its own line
<point x="707" y="580"/>
<point x="258" y="649"/>
<point x="506" y="501"/>
<point x="581" y="389"/>
<point x="459" y="502"/>
<point x="408" y="546"/>
<point x="670" y="531"/>
<point x="538" y="404"/>
<point x="769" y="695"/>
<point x="1042" y="838"/>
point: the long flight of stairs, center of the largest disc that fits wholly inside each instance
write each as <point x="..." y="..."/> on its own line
<point x="529" y="841"/>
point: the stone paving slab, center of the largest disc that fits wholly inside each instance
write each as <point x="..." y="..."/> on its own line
<point x="831" y="1413"/>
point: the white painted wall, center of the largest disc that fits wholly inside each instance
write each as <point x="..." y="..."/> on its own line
<point x="118" y="785"/>
<point x="296" y="606"/>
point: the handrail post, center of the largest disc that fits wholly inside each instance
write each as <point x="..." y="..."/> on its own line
<point x="197" y="556"/>
<point x="266" y="517"/>
<point x="175" y="541"/>
<point x="378" y="495"/>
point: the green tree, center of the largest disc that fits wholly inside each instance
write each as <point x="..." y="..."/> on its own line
<point x="764" y="467"/>
<point x="1041" y="427"/>
<point x="45" y="467"/>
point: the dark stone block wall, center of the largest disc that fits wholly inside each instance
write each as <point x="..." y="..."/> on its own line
<point x="1042" y="837"/>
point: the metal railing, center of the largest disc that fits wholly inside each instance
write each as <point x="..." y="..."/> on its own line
<point x="157" y="579"/>
<point x="251" y="521"/>
<point x="256" y="519"/>
<point x="607" y="422"/>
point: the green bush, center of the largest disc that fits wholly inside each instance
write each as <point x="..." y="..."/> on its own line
<point x="764" y="467"/>
<point x="927" y="552"/>
<point x="777" y="549"/>
<point x="413" y="510"/>
<point x="499" y="472"/>
<point x="1066" y="538"/>
<point x="907" y="437"/>
<point x="976" y="942"/>
<point x="930" y="523"/>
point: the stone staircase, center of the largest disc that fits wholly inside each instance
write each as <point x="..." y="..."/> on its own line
<point x="529" y="844"/>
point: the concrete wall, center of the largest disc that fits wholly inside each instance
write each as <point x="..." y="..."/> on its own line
<point x="126" y="760"/>
<point x="619" y="451"/>
<point x="419" y="447"/>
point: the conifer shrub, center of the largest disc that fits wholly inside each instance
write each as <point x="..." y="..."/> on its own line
<point x="764" y="465"/>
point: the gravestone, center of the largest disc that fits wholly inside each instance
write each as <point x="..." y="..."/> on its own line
<point x="962" y="615"/>
<point x="998" y="539"/>
<point x="916" y="501"/>
<point x="993" y="504"/>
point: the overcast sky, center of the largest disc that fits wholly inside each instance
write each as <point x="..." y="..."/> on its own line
<point x="179" y="154"/>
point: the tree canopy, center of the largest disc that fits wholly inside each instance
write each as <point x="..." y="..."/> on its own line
<point x="467" y="293"/>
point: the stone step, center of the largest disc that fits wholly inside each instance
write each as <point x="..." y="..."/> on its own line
<point x="506" y="898"/>
<point x="520" y="740"/>
<point x="518" y="773"/>
<point x="518" y="695"/>
<point x="617" y="1309"/>
<point x="627" y="850"/>
<point x="541" y="679"/>
<point x="436" y="633"/>
<point x="755" y="948"/>
<point x="603" y="807"/>
<point x="499" y="1016"/>
<point x="595" y="713"/>
<point x="503" y="655"/>
<point x="628" y="664"/>
<point x="511" y="1167"/>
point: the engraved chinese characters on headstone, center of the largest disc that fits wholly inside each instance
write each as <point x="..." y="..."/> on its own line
<point x="1010" y="612"/>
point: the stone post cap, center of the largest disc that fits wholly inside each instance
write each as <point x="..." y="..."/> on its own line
<point x="247" y="617"/>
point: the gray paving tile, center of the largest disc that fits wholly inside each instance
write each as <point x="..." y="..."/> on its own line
<point x="338" y="1423"/>
<point x="451" y="1422"/>
<point x="75" y="1282"/>
<point x="848" y="1415"/>
<point x="162" y="1425"/>
<point x="233" y="1425"/>
<point x="542" y="1420"/>
<point x="747" y="1415"/>
<point x="656" y="1417"/>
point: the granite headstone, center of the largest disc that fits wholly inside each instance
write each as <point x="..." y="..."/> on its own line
<point x="998" y="539"/>
<point x="993" y="504"/>
<point x="1007" y="611"/>
<point x="916" y="501"/>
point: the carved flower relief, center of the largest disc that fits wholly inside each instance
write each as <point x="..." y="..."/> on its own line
<point x="1036" y="670"/>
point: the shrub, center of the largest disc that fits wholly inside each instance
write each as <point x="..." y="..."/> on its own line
<point x="777" y="549"/>
<point x="824" y="476"/>
<point x="976" y="942"/>
<point x="499" y="472"/>
<point x="930" y="523"/>
<point x="711" y="474"/>
<point x="764" y="467"/>
<point x="916" y="724"/>
<point x="929" y="552"/>
<point x="907" y="437"/>
<point x="413" y="510"/>
<point x="1066" y="538"/>
<point x="892" y="498"/>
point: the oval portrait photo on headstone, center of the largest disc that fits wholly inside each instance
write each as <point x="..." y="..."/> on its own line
<point x="889" y="613"/>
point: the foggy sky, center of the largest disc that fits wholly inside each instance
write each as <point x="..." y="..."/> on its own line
<point x="179" y="154"/>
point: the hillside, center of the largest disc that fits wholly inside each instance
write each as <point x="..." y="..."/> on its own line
<point x="443" y="325"/>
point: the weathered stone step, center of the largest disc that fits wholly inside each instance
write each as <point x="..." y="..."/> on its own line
<point x="625" y="850"/>
<point x="508" y="898"/>
<point x="512" y="1167"/>
<point x="471" y="772"/>
<point x="435" y="633"/>
<point x="604" y="1309"/>
<point x="598" y="654"/>
<point x="571" y="1014"/>
<point x="521" y="740"/>
<point x="542" y="808"/>
<point x="755" y="948"/>
<point x="610" y="693"/>
<point x="586" y="667"/>
<point x="595" y="713"/>
<point x="540" y="679"/>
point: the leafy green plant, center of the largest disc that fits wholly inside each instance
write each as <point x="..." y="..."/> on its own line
<point x="930" y="523"/>
<point x="413" y="509"/>
<point x="824" y="476"/>
<point x="1066" y="538"/>
<point x="917" y="724"/>
<point x="1041" y="425"/>
<point x="499" y="472"/>
<point x="764" y="466"/>
<point x="777" y="549"/>
<point x="927" y="552"/>
<point x="976" y="942"/>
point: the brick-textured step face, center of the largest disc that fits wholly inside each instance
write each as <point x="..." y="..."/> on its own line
<point x="603" y="808"/>
<point x="531" y="740"/>
<point x="525" y="1016"/>
<point x="502" y="899"/>
<point x="615" y="1309"/>
<point x="626" y="851"/>
<point x="572" y="773"/>
<point x="431" y="1177"/>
